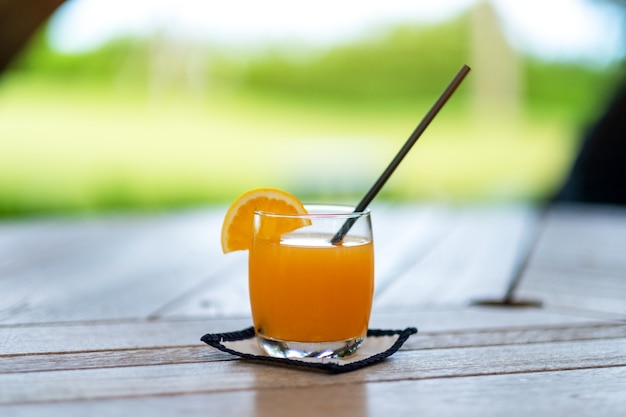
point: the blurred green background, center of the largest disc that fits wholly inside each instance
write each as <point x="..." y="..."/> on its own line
<point x="159" y="122"/>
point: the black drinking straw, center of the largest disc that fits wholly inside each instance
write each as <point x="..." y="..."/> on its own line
<point x="367" y="199"/>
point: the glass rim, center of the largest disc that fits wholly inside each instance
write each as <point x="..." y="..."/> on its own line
<point x="321" y="211"/>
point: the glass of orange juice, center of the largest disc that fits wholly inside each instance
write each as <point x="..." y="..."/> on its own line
<point x="310" y="297"/>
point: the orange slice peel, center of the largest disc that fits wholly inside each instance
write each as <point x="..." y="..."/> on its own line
<point x="237" y="227"/>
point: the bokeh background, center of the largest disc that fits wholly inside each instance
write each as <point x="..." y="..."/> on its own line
<point x="158" y="105"/>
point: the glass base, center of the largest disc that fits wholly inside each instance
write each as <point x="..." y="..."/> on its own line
<point x="294" y="350"/>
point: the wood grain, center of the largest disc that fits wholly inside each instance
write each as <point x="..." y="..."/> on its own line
<point x="99" y="336"/>
<point x="103" y="317"/>
<point x="476" y="261"/>
<point x="221" y="375"/>
<point x="583" y="238"/>
<point x="579" y="261"/>
<point x="121" y="357"/>
<point x="112" y="268"/>
<point x="586" y="392"/>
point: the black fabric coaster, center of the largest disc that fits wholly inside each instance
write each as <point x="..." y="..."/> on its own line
<point x="378" y="345"/>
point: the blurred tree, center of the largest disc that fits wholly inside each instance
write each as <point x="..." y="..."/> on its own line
<point x="497" y="74"/>
<point x="404" y="62"/>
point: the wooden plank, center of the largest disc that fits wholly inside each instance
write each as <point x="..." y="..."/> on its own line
<point x="201" y="353"/>
<point x="171" y="265"/>
<point x="478" y="319"/>
<point x="220" y="376"/>
<point x="425" y="255"/>
<point x="584" y="392"/>
<point x="24" y="244"/>
<point x="577" y="291"/>
<point x="587" y="392"/>
<point x="583" y="238"/>
<point x="98" y="336"/>
<point x="402" y="235"/>
<point x="476" y="261"/>
<point x="96" y="263"/>
<point x="113" y="358"/>
<point x="104" y="268"/>
<point x="127" y="267"/>
<point x="22" y="241"/>
<point x="579" y="261"/>
<point x="470" y="361"/>
<point x="224" y="295"/>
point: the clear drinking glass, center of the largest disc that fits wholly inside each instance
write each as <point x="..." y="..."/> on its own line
<point x="310" y="297"/>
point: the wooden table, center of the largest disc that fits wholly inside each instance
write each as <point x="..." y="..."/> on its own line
<point x="103" y="316"/>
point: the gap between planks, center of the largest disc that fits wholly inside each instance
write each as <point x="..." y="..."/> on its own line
<point x="175" y="379"/>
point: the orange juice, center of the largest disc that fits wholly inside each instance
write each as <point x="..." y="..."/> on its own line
<point x="305" y="289"/>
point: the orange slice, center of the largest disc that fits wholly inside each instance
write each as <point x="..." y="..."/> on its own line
<point x="237" y="226"/>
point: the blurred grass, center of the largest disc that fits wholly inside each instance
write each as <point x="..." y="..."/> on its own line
<point x="90" y="132"/>
<point x="88" y="150"/>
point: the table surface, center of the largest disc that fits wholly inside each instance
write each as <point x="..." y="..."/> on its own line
<point x="520" y="311"/>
